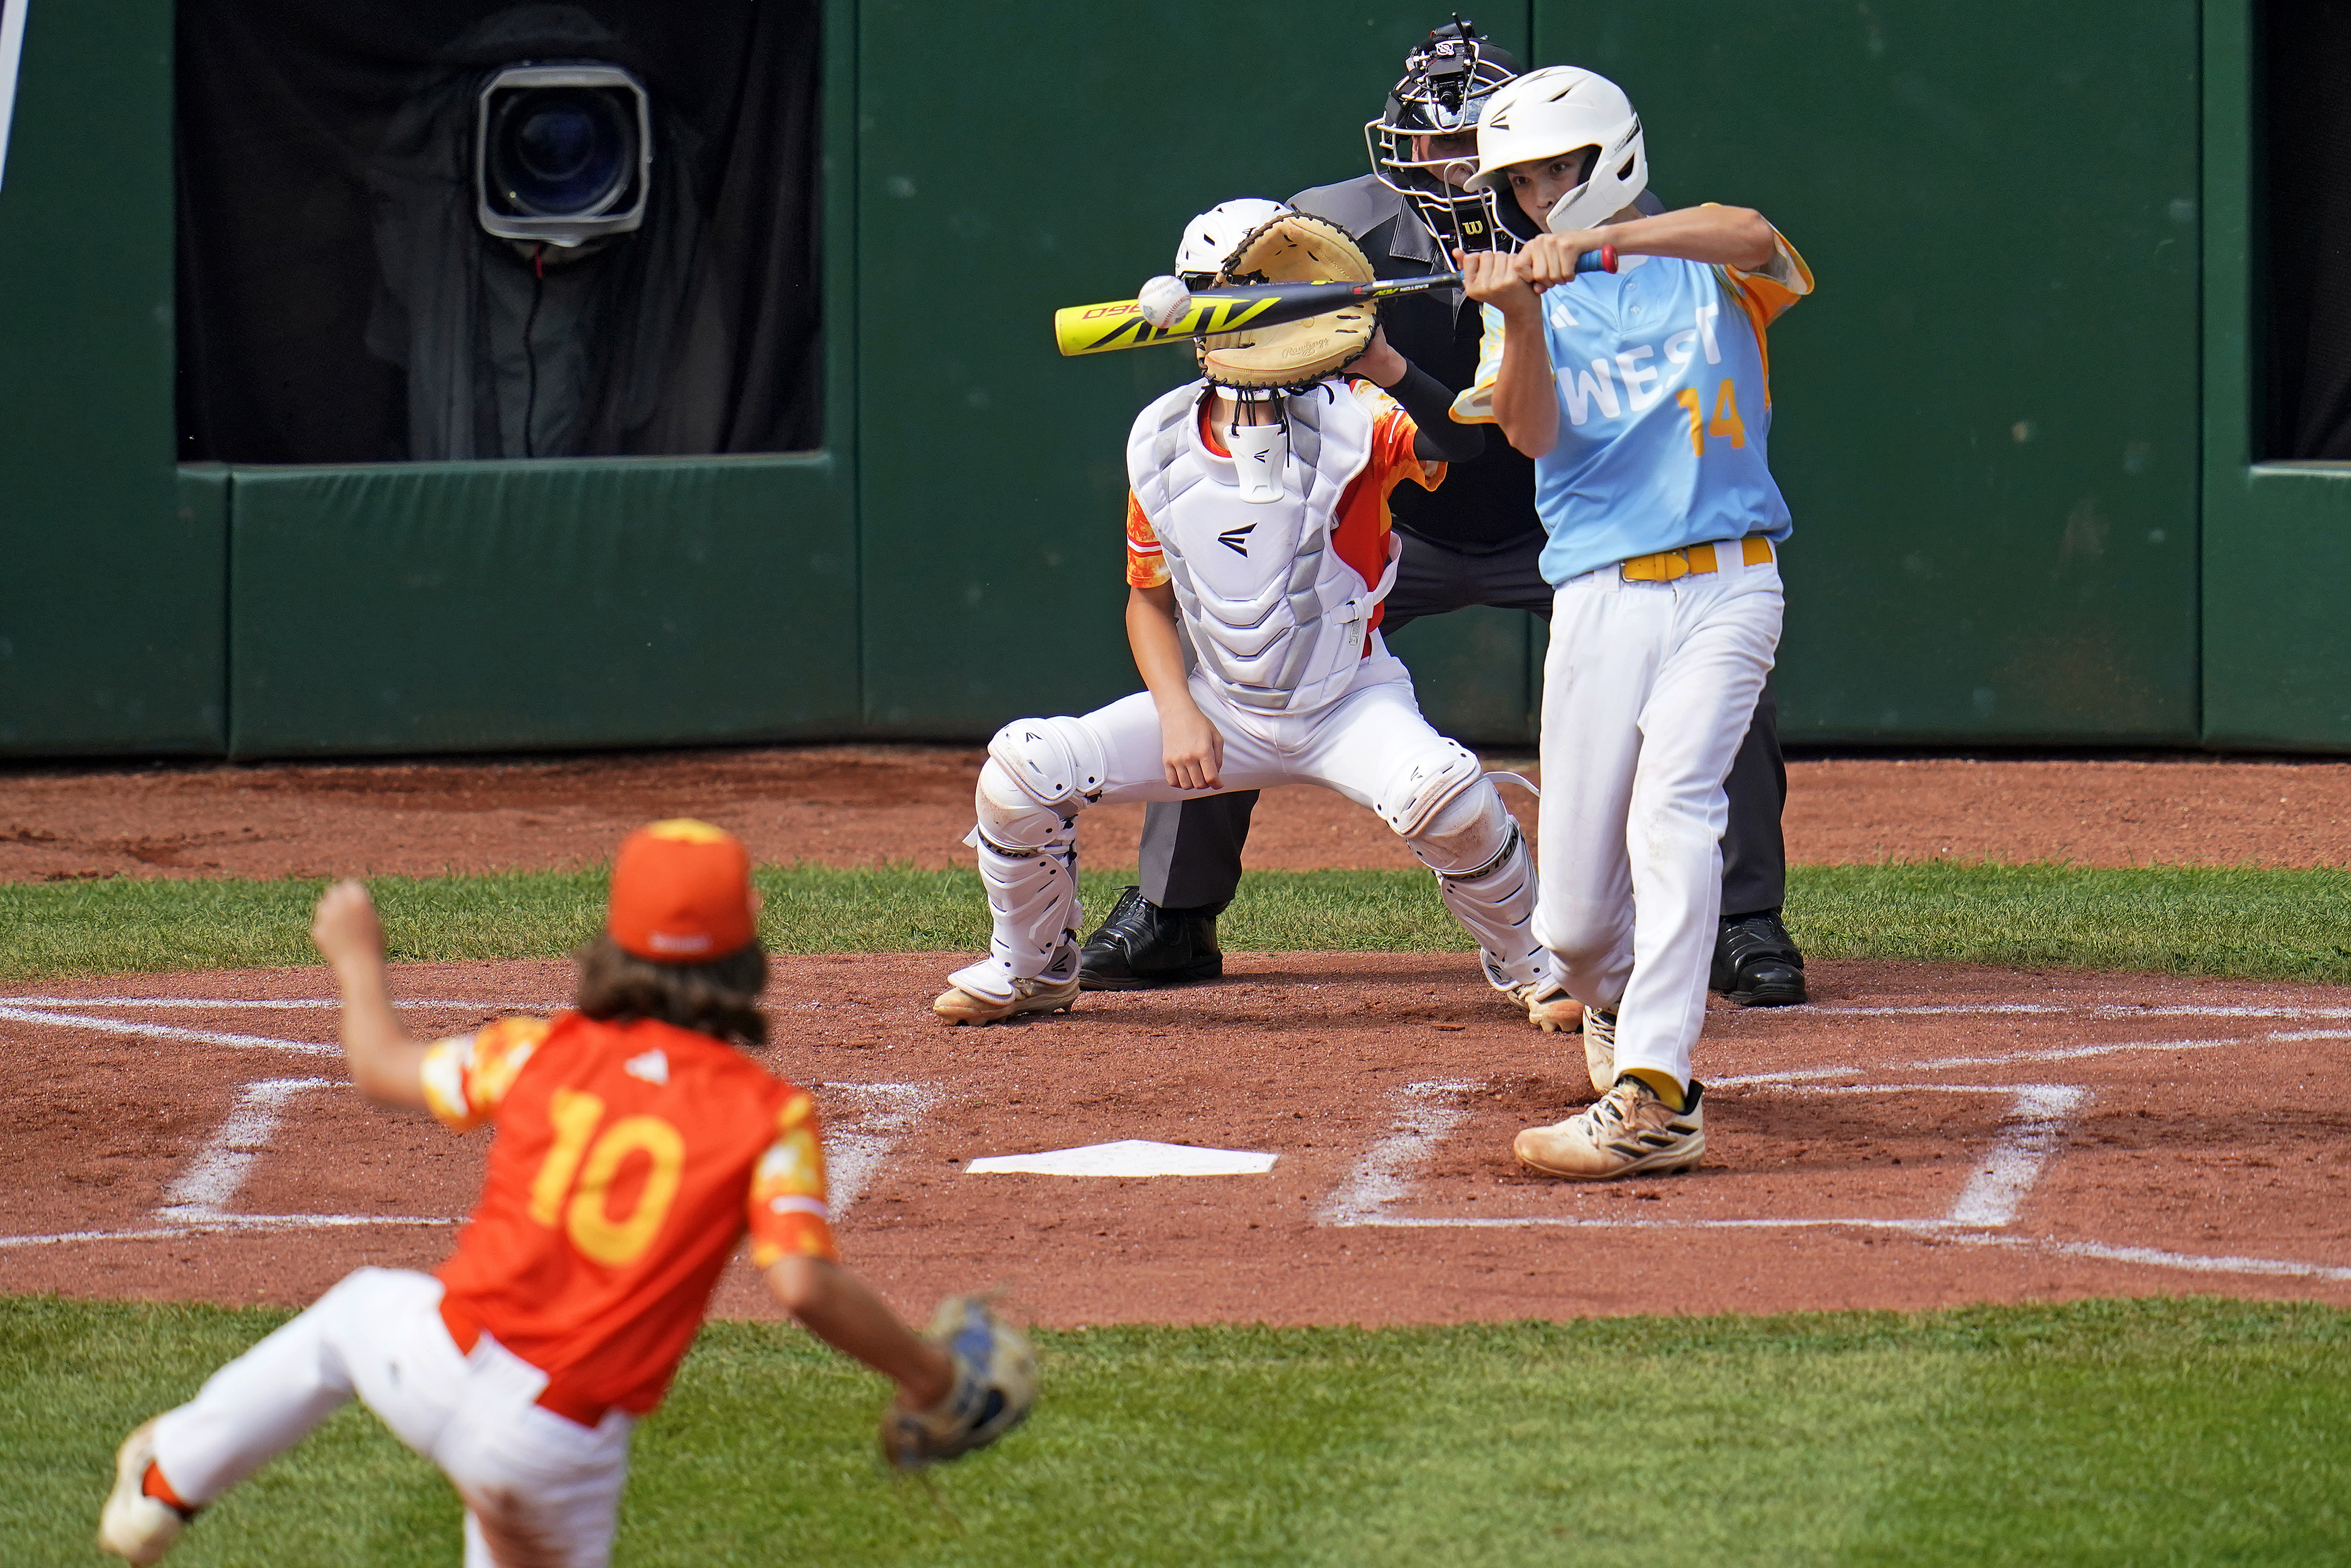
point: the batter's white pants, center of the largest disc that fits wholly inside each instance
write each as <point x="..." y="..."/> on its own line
<point x="1368" y="745"/>
<point x="1647" y="689"/>
<point x="547" y="1484"/>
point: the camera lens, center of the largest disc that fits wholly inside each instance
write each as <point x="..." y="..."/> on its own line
<point x="561" y="153"/>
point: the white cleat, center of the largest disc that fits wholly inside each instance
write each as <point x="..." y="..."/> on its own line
<point x="958" y="1005"/>
<point x="1600" y="1049"/>
<point x="134" y="1526"/>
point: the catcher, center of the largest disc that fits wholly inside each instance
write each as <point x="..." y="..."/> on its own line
<point x="1258" y="518"/>
<point x="636" y="1147"/>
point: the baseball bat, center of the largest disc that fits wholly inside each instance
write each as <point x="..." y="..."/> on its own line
<point x="1121" y="324"/>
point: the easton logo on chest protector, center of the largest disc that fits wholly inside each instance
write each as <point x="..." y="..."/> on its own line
<point x="1236" y="539"/>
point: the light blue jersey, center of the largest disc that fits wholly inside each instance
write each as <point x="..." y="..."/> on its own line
<point x="1664" y="408"/>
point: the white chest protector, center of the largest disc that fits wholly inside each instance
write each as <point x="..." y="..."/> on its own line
<point x="1275" y="615"/>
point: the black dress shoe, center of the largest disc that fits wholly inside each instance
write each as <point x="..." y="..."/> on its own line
<point x="1141" y="945"/>
<point x="1755" y="964"/>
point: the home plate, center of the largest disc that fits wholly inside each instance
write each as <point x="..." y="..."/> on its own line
<point x="1128" y="1157"/>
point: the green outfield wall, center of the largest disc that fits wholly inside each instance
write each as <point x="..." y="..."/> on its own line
<point x="2013" y="425"/>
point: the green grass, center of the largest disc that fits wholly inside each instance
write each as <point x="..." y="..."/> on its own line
<point x="2190" y="920"/>
<point x="2146" y="1432"/>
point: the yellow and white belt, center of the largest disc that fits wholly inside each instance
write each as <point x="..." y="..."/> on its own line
<point x="1668" y="564"/>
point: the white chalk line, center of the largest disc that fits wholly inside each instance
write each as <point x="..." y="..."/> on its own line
<point x="856" y="1150"/>
<point x="231" y="1222"/>
<point x="196" y="1199"/>
<point x="15" y="1009"/>
<point x="2030" y="1136"/>
<point x="217" y="1173"/>
<point x="2052" y="1053"/>
<point x="165" y="1031"/>
<point x="2103" y="1010"/>
<point x="1381" y="1175"/>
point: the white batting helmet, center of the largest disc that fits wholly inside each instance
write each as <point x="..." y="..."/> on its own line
<point x="1557" y="110"/>
<point x="1218" y="231"/>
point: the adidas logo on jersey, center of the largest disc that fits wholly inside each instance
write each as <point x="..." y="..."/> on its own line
<point x="652" y="1066"/>
<point x="1236" y="539"/>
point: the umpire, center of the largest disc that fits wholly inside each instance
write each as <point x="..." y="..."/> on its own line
<point x="1475" y="540"/>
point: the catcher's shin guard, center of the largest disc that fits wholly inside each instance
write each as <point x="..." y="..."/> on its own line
<point x="1487" y="877"/>
<point x="1032" y="896"/>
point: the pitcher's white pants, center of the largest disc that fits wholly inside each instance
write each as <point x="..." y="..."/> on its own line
<point x="1371" y="746"/>
<point x="547" y="1484"/>
<point x="1647" y="689"/>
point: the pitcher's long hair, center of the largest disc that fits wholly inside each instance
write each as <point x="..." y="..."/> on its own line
<point x="719" y="999"/>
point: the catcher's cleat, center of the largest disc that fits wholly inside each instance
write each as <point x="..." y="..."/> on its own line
<point x="1630" y="1131"/>
<point x="1140" y="946"/>
<point x="134" y="1526"/>
<point x="1600" y="1049"/>
<point x="958" y="1005"/>
<point x="1756" y="963"/>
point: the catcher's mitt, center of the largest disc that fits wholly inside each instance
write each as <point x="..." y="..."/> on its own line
<point x="995" y="1384"/>
<point x="1292" y="247"/>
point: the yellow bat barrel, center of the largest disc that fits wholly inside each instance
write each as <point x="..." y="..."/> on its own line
<point x="1119" y="323"/>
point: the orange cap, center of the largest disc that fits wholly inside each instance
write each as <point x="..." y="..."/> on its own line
<point x="682" y="894"/>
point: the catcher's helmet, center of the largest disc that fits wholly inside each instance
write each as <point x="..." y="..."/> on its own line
<point x="1447" y="79"/>
<point x="1217" y="233"/>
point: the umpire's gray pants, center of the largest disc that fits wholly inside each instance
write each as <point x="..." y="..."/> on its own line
<point x="1191" y="851"/>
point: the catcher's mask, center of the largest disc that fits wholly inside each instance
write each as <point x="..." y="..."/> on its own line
<point x="1292" y="247"/>
<point x="1448" y="77"/>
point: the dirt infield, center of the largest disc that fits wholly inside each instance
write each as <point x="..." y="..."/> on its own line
<point x="1924" y="1135"/>
<point x="867" y="805"/>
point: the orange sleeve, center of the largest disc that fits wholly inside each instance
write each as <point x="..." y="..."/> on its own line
<point x="1766" y="293"/>
<point x="466" y="1076"/>
<point x="1392" y="434"/>
<point x="1146" y="565"/>
<point x="786" y="1209"/>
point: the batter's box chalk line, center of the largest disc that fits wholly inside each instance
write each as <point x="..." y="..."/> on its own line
<point x="196" y="1201"/>
<point x="42" y="1010"/>
<point x="1133" y="1158"/>
<point x="857" y="1146"/>
<point x="2031" y="1134"/>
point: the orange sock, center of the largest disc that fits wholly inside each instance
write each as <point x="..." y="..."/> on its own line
<point x="155" y="1486"/>
<point x="1668" y="1088"/>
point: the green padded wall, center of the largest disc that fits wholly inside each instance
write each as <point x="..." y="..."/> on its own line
<point x="485" y="606"/>
<point x="1986" y="422"/>
<point x="2277" y="537"/>
<point x="110" y="603"/>
<point x="1019" y="162"/>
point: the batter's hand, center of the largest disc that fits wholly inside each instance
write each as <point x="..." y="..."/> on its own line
<point x="1491" y="277"/>
<point x="345" y="926"/>
<point x="1191" y="749"/>
<point x="1548" y="260"/>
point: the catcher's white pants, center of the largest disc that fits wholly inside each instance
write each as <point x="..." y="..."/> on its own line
<point x="546" y="1483"/>
<point x="1648" y="688"/>
<point x="1362" y="746"/>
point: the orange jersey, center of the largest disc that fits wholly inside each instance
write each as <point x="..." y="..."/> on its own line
<point x="1364" y="521"/>
<point x="630" y="1158"/>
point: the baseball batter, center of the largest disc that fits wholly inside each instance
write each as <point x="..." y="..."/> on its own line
<point x="1644" y="399"/>
<point x="1476" y="541"/>
<point x="1258" y="520"/>
<point x="636" y="1147"/>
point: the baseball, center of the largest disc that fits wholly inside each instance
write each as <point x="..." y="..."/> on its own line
<point x="1164" y="301"/>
